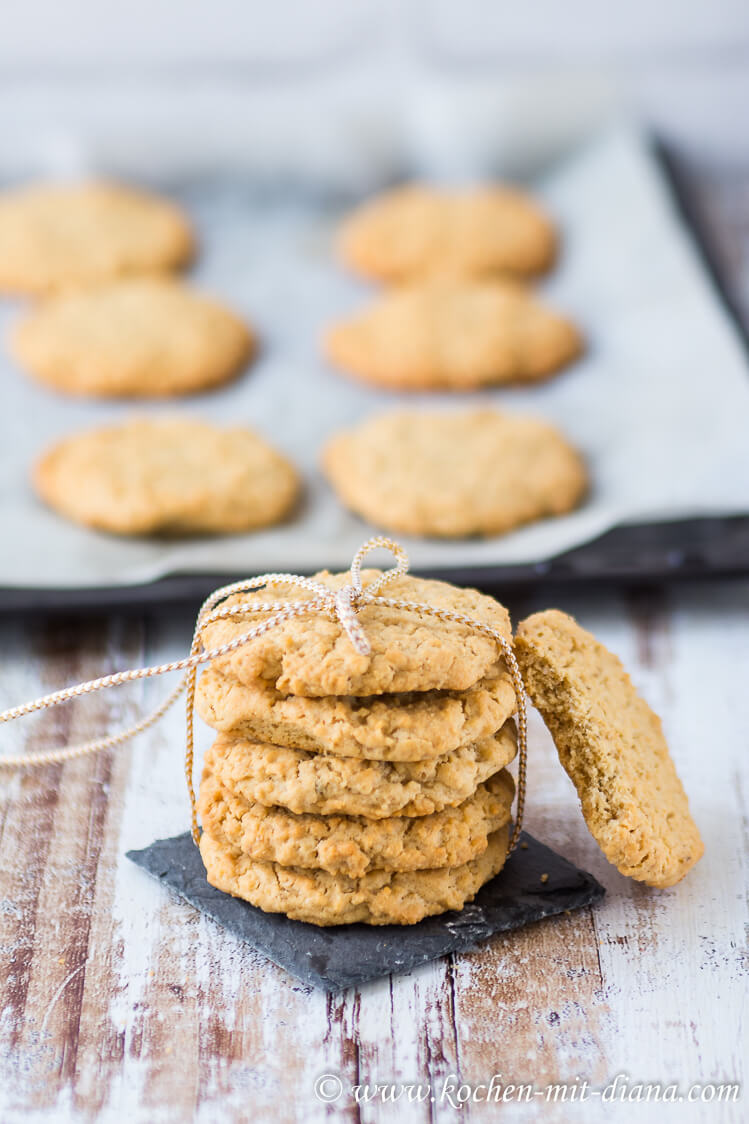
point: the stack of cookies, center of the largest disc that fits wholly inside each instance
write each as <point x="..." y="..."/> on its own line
<point x="358" y="788"/>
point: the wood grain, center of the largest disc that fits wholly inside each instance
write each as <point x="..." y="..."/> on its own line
<point x="118" y="997"/>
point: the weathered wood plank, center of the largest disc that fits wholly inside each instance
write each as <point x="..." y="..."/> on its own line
<point x="54" y="826"/>
<point x="117" y="999"/>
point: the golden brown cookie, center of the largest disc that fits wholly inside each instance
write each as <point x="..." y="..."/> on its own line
<point x="454" y="474"/>
<point x="312" y="655"/>
<point x="612" y="746"/>
<point x="398" y="727"/>
<point x="167" y="476"/>
<point x="377" y="898"/>
<point x="453" y="335"/>
<point x="418" y="231"/>
<point x="326" y="785"/>
<point x="354" y="845"/>
<point x="55" y="235"/>
<point x="144" y="337"/>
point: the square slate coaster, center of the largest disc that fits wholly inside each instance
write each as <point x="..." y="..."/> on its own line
<point x="346" y="955"/>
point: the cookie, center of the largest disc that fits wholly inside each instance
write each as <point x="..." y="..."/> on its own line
<point x="325" y="785"/>
<point x="378" y="898"/>
<point x="52" y="236"/>
<point x="168" y="476"/>
<point x="453" y="335"/>
<point x="612" y="746"/>
<point x="142" y="337"/>
<point x="417" y="231"/>
<point x="454" y="475"/>
<point x="405" y="727"/>
<point x="312" y="655"/>
<point x="353" y="845"/>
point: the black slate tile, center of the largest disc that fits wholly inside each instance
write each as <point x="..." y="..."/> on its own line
<point x="344" y="955"/>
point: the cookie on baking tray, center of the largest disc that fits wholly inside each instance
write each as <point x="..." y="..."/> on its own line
<point x="418" y="231"/>
<point x="380" y="897"/>
<point x="354" y="845"/>
<point x="406" y="727"/>
<point x="312" y="655"/>
<point x="454" y="474"/>
<point x="323" y="784"/>
<point x="612" y="746"/>
<point x="453" y="335"/>
<point x="138" y="337"/>
<point x="168" y="476"/>
<point x="56" y="235"/>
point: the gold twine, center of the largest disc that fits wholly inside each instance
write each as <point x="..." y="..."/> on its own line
<point x="343" y="605"/>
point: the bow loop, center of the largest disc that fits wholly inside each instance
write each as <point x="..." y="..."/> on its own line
<point x="379" y="542"/>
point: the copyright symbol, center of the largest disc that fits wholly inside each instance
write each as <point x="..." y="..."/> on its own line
<point x="328" y="1088"/>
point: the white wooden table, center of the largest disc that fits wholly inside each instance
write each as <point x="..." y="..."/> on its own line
<point x="118" y="1001"/>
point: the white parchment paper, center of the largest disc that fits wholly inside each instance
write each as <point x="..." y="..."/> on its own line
<point x="659" y="406"/>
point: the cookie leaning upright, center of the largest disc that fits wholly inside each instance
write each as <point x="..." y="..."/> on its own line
<point x="55" y="235"/>
<point x="612" y="746"/>
<point x="416" y="231"/>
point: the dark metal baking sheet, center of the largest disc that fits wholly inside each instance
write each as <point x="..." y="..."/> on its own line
<point x="634" y="555"/>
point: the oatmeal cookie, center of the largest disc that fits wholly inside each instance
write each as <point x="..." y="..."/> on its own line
<point x="167" y="476"/>
<point x="377" y="898"/>
<point x="144" y="337"/>
<point x="612" y="746"/>
<point x="418" y="231"/>
<point x="54" y="235"/>
<point x="452" y="475"/>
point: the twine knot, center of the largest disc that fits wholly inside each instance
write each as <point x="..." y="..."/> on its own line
<point x="347" y="602"/>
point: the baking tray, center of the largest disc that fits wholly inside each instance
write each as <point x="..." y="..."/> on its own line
<point x="636" y="553"/>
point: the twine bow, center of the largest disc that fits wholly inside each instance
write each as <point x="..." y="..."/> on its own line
<point x="342" y="605"/>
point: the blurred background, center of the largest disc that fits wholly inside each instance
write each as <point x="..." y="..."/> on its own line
<point x="354" y="90"/>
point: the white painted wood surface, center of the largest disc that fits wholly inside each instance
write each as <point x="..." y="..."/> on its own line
<point x="117" y="1000"/>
